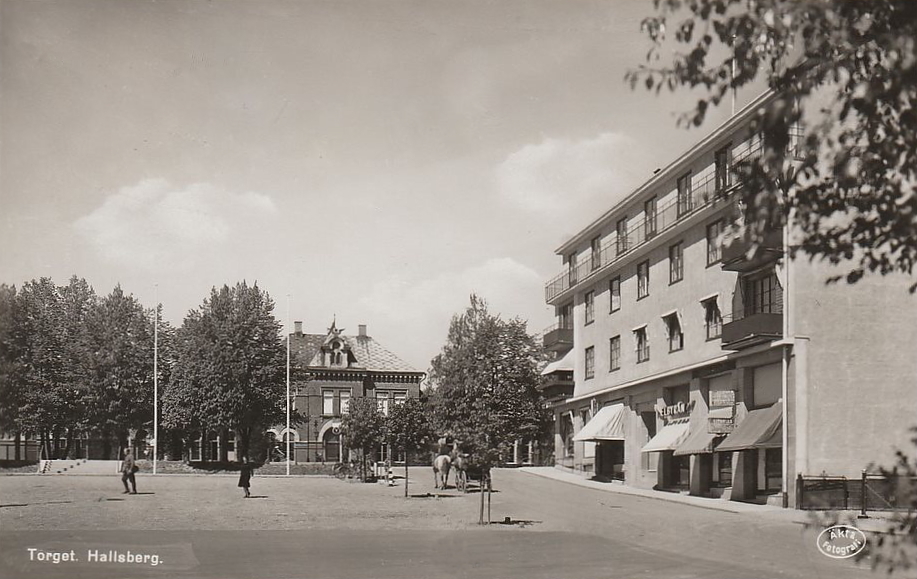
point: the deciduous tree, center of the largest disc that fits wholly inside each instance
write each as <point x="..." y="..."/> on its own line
<point x="410" y="429"/>
<point x="363" y="428"/>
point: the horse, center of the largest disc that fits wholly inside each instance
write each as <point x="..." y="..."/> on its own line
<point x="441" y="466"/>
<point x="460" y="464"/>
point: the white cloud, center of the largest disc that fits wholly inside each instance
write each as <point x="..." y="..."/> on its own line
<point x="557" y="176"/>
<point x="418" y="310"/>
<point x="153" y="225"/>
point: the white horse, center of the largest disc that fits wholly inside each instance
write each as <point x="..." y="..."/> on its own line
<point x="460" y="464"/>
<point x="441" y="466"/>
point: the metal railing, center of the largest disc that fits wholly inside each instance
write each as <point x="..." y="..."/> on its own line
<point x="704" y="193"/>
<point x="773" y="307"/>
<point x="869" y="492"/>
<point x="566" y="325"/>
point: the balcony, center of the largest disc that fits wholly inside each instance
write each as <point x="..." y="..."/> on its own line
<point x="744" y="331"/>
<point x="735" y="255"/>
<point x="557" y="386"/>
<point x="558" y="337"/>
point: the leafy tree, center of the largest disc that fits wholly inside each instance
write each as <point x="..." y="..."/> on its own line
<point x="485" y="386"/>
<point x="230" y="366"/>
<point x="363" y="428"/>
<point x="10" y="384"/>
<point x="847" y="70"/>
<point x="409" y="429"/>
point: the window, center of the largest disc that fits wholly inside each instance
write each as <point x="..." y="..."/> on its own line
<point x="382" y="401"/>
<point x="596" y="253"/>
<point x="571" y="269"/>
<point x="643" y="279"/>
<point x="713" y="241"/>
<point x="614" y="347"/>
<point x="675" y="335"/>
<point x="713" y="319"/>
<point x="643" y="345"/>
<point x="763" y="294"/>
<point x="614" y="290"/>
<point x="721" y="163"/>
<point x="649" y="459"/>
<point x="328" y="402"/>
<point x="590" y="306"/>
<point x="400" y="397"/>
<point x="676" y="262"/>
<point x="649" y="211"/>
<point x="685" y="203"/>
<point x="566" y="317"/>
<point x="590" y="362"/>
<point x="621" y="239"/>
<point x="566" y="433"/>
<point x="345" y="401"/>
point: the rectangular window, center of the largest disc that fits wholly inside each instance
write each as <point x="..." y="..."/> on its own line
<point x="590" y="306"/>
<point x="328" y="402"/>
<point x="643" y="279"/>
<point x="763" y="295"/>
<point x="676" y="262"/>
<point x="721" y="163"/>
<point x="566" y="317"/>
<point x="571" y="269"/>
<point x="713" y="241"/>
<point x="590" y="362"/>
<point x="596" y="253"/>
<point x="649" y="212"/>
<point x="685" y="203"/>
<point x="400" y="397"/>
<point x="614" y="347"/>
<point x="713" y="319"/>
<point x="643" y="345"/>
<point x="382" y="401"/>
<point x="649" y="459"/>
<point x="675" y="335"/>
<point x="621" y="239"/>
<point x="345" y="401"/>
<point x="614" y="290"/>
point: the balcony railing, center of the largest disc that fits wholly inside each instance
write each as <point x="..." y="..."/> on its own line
<point x="558" y="336"/>
<point x="703" y="194"/>
<point x="753" y="325"/>
<point x="735" y="258"/>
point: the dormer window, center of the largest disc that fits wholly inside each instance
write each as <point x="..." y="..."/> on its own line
<point x="337" y="356"/>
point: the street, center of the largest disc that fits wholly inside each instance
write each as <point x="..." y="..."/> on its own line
<point x="311" y="527"/>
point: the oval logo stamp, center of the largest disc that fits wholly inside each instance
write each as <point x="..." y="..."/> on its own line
<point x="841" y="541"/>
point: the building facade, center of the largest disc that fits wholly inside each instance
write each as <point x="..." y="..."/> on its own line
<point x="699" y="367"/>
<point x="333" y="369"/>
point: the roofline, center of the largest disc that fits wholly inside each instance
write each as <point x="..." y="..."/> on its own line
<point x="727" y="126"/>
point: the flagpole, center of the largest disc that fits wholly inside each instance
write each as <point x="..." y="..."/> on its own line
<point x="288" y="385"/>
<point x="156" y="380"/>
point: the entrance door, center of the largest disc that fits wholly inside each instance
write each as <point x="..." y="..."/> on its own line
<point x="610" y="454"/>
<point x="332" y="443"/>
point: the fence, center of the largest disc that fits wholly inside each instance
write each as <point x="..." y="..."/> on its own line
<point x="869" y="492"/>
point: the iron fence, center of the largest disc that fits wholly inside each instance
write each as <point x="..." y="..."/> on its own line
<point x="869" y="492"/>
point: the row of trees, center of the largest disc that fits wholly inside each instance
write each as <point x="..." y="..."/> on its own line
<point x="74" y="364"/>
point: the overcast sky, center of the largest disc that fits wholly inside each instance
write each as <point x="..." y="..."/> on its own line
<point x="377" y="161"/>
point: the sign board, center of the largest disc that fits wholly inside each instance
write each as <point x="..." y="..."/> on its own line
<point x="721" y="418"/>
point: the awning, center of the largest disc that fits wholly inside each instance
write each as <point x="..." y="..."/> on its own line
<point x="700" y="441"/>
<point x="725" y="412"/>
<point x="760" y="429"/>
<point x="607" y="424"/>
<point x="669" y="438"/>
<point x="565" y="364"/>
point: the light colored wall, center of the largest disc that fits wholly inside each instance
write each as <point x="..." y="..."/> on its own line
<point x="862" y="368"/>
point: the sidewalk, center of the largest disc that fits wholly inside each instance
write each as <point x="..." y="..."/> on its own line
<point x="877" y="522"/>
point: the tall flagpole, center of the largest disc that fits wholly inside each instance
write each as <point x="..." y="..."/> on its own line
<point x="156" y="381"/>
<point x="288" y="385"/>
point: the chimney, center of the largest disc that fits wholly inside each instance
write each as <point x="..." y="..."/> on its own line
<point x="362" y="330"/>
<point x="298" y="328"/>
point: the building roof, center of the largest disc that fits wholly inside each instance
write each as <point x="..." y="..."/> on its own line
<point x="368" y="354"/>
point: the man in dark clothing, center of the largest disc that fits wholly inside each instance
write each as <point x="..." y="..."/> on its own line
<point x="245" y="476"/>
<point x="128" y="468"/>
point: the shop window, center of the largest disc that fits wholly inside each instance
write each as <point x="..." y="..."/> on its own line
<point x="643" y="279"/>
<point x="614" y="359"/>
<point x="590" y="362"/>
<point x="588" y="446"/>
<point x="676" y="394"/>
<point x="685" y="202"/>
<point x="590" y="306"/>
<point x="714" y="230"/>
<point x="566" y="434"/>
<point x="614" y="291"/>
<point x="649" y="212"/>
<point x="724" y="468"/>
<point x="643" y="345"/>
<point x="328" y="402"/>
<point x="676" y="336"/>
<point x="767" y="385"/>
<point x="621" y="240"/>
<point x="676" y="262"/>
<point x="773" y="469"/>
<point x="649" y="460"/>
<point x="713" y="319"/>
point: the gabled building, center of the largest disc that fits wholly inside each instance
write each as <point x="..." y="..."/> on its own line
<point x="697" y="366"/>
<point x="334" y="368"/>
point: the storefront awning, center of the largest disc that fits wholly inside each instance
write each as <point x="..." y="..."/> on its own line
<point x="607" y="424"/>
<point x="760" y="429"/>
<point x="699" y="441"/>
<point x="565" y="364"/>
<point x="669" y="438"/>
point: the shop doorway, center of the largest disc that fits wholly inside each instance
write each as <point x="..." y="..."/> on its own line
<point x="610" y="459"/>
<point x="679" y="470"/>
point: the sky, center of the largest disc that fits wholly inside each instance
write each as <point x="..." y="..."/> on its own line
<point x="373" y="162"/>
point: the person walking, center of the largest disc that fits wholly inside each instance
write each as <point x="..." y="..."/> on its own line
<point x="245" y="477"/>
<point x="128" y="470"/>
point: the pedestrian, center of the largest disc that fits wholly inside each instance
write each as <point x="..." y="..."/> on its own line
<point x="245" y="477"/>
<point x="128" y="470"/>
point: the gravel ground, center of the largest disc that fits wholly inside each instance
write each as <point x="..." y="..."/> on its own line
<point x="214" y="502"/>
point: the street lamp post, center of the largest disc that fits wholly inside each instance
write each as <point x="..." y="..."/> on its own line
<point x="288" y="385"/>
<point x="156" y="380"/>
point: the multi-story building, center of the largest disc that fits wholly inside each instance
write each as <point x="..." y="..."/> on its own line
<point x="699" y="366"/>
<point x="331" y="370"/>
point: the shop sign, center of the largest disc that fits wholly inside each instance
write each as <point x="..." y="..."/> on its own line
<point x="677" y="410"/>
<point x="721" y="419"/>
<point x="720" y="398"/>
